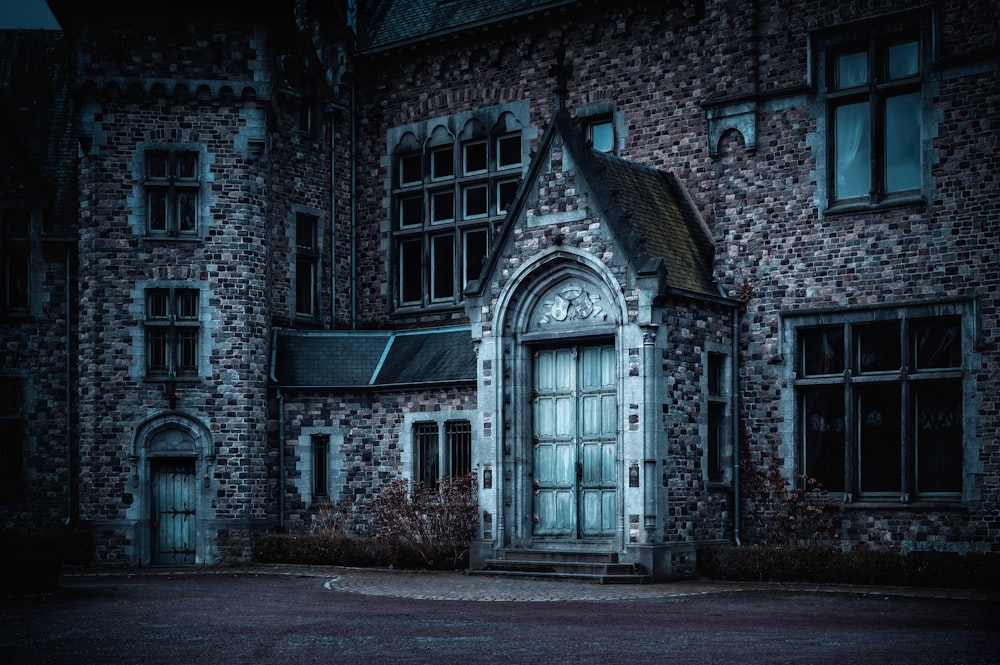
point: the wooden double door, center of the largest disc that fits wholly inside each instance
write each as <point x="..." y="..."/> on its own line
<point x="575" y="439"/>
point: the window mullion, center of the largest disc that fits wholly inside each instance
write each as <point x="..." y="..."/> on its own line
<point x="851" y="439"/>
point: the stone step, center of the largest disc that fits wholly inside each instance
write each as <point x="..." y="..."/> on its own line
<point x="600" y="567"/>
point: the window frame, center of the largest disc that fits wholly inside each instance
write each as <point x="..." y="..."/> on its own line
<point x="307" y="266"/>
<point x="173" y="187"/>
<point x="458" y="201"/>
<point x="319" y="446"/>
<point x="873" y="38"/>
<point x="175" y="332"/>
<point x="849" y="383"/>
<point x="443" y="448"/>
<point x="718" y="411"/>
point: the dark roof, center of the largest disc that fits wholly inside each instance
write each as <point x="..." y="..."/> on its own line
<point x="358" y="359"/>
<point x="656" y="207"/>
<point x="647" y="209"/>
<point x="388" y="23"/>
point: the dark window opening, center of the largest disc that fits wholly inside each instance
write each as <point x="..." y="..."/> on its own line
<point x="172" y="187"/>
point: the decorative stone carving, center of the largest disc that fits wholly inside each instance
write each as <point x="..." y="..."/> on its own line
<point x="571" y="303"/>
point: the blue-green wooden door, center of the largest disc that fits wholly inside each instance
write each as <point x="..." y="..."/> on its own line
<point x="173" y="515"/>
<point x="575" y="442"/>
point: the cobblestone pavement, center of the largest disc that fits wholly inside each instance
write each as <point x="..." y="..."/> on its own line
<point x="437" y="585"/>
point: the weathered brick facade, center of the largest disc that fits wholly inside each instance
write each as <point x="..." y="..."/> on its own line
<point x="714" y="235"/>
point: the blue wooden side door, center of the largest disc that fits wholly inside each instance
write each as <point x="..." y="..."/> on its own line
<point x="575" y="442"/>
<point x="173" y="516"/>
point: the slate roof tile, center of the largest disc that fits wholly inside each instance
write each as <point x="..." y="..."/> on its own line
<point x="358" y="359"/>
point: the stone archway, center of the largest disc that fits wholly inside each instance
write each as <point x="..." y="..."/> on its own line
<point x="559" y="352"/>
<point x="172" y="453"/>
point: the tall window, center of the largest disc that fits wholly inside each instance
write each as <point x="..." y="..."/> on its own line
<point x="11" y="438"/>
<point x="306" y="265"/>
<point x="448" y="198"/>
<point x="172" y="329"/>
<point x="442" y="452"/>
<point x="172" y="186"/>
<point x="880" y="404"/>
<point x="14" y="262"/>
<point x="717" y="440"/>
<point x="320" y="466"/>
<point x="873" y="96"/>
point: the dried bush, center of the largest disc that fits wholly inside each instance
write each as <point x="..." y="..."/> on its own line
<point x="432" y="524"/>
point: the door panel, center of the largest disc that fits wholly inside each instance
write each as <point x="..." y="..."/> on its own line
<point x="173" y="517"/>
<point x="575" y="442"/>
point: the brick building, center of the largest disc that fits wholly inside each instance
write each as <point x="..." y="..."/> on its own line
<point x="643" y="268"/>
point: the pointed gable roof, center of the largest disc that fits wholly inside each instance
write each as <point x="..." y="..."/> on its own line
<point x="648" y="211"/>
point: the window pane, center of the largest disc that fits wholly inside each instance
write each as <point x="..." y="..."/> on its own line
<point x="411" y="211"/>
<point x="157" y="303"/>
<point x="823" y="350"/>
<point x="852" y="134"/>
<point x="320" y="459"/>
<point x="878" y="347"/>
<point x="187" y="165"/>
<point x="937" y="343"/>
<point x="506" y="191"/>
<point x="475" y="201"/>
<point x="475" y="157"/>
<point x="442" y="163"/>
<point x="903" y="60"/>
<point x="157" y="210"/>
<point x="852" y="70"/>
<point x="823" y="433"/>
<point x="879" y="438"/>
<point x="939" y="436"/>
<point x="602" y="136"/>
<point x="156" y="349"/>
<point x="409" y="169"/>
<point x="305" y="232"/>
<point x="443" y="267"/>
<point x="187" y="304"/>
<point x="410" y="270"/>
<point x="716" y="364"/>
<point x="716" y="437"/>
<point x="305" y="286"/>
<point x="459" y="437"/>
<point x="508" y="151"/>
<point x="186" y="203"/>
<point x="902" y="142"/>
<point x="442" y="207"/>
<point x="475" y="254"/>
<point x="156" y="164"/>
<point x="425" y="443"/>
<point x="187" y="351"/>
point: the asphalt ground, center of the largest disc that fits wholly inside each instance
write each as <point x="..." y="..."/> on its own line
<point x="298" y="615"/>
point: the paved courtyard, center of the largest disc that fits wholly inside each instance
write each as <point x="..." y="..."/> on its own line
<point x="338" y="615"/>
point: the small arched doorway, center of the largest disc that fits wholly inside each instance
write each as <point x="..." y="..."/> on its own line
<point x="172" y="449"/>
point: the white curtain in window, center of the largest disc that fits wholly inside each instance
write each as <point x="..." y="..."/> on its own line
<point x="852" y="136"/>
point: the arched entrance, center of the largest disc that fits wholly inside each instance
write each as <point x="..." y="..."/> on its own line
<point x="171" y="449"/>
<point x="560" y="396"/>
